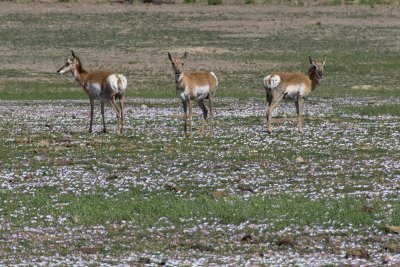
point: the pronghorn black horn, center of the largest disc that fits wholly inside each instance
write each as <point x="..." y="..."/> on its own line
<point x="73" y="54"/>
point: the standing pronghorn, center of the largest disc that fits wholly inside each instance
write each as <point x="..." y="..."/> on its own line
<point x="103" y="85"/>
<point x="195" y="86"/>
<point x="294" y="86"/>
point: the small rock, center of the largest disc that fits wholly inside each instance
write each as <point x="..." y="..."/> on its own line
<point x="286" y="241"/>
<point x="367" y="209"/>
<point x="112" y="177"/>
<point x="88" y="250"/>
<point x="357" y="253"/>
<point x="300" y="159"/>
<point x="173" y="187"/>
<point x="245" y="188"/>
<point x="246" y="238"/>
<point x="143" y="106"/>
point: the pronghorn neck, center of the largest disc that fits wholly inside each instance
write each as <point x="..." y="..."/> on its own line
<point x="79" y="73"/>
<point x="179" y="76"/>
<point x="314" y="77"/>
<point x="179" y="81"/>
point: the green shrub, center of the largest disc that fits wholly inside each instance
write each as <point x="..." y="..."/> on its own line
<point x="189" y="1"/>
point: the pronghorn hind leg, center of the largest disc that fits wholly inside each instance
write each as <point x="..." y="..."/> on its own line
<point x="118" y="113"/>
<point x="204" y="109"/>
<point x="91" y="99"/>
<point x="300" y="110"/>
<point x="210" y="118"/>
<point x="121" y="108"/>
<point x="102" y="116"/>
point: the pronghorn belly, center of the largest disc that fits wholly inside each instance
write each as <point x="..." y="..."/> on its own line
<point x="294" y="90"/>
<point x="117" y="83"/>
<point x="94" y="89"/>
<point x="201" y="92"/>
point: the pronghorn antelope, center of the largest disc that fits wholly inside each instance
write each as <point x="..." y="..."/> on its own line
<point x="294" y="86"/>
<point x="194" y="86"/>
<point x="103" y="85"/>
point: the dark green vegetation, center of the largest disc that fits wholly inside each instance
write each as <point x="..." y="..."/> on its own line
<point x="149" y="196"/>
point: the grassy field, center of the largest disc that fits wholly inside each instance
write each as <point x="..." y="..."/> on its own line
<point x="240" y="197"/>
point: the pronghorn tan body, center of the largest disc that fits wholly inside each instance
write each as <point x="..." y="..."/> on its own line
<point x="102" y="85"/>
<point x="194" y="86"/>
<point x="293" y="86"/>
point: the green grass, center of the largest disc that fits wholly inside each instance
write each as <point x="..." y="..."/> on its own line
<point x="387" y="109"/>
<point x="146" y="209"/>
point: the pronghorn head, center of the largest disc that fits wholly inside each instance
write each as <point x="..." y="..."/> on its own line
<point x="317" y="67"/>
<point x="71" y="64"/>
<point x="177" y="63"/>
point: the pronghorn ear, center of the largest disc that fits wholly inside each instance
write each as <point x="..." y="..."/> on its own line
<point x="311" y="61"/>
<point x="323" y="61"/>
<point x="73" y="54"/>
<point x="185" y="55"/>
<point x="169" y="56"/>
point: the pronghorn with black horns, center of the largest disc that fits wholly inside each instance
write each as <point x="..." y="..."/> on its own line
<point x="103" y="85"/>
<point x="194" y="86"/>
<point x="293" y="86"/>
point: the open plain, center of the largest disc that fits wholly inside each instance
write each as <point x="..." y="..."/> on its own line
<point x="149" y="196"/>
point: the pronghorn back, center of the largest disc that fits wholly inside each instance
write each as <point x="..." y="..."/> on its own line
<point x="201" y="79"/>
<point x="291" y="78"/>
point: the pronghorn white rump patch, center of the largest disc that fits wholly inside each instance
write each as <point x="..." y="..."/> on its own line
<point x="271" y="81"/>
<point x="117" y="82"/>
<point x="294" y="90"/>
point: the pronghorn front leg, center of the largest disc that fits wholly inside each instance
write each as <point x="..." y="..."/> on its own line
<point x="91" y="99"/>
<point x="184" y="105"/>
<point x="300" y="110"/>
<point x="102" y="116"/>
